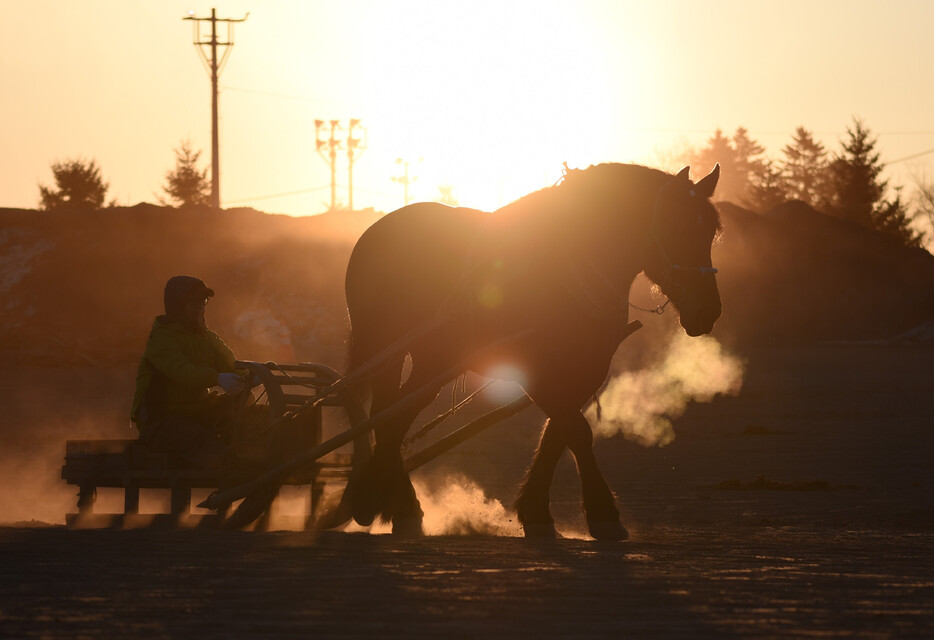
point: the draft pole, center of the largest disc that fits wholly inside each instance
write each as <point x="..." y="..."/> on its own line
<point x="214" y="69"/>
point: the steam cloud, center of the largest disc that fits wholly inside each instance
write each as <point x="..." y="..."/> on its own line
<point x="641" y="404"/>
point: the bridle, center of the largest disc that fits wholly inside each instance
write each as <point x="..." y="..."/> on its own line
<point x="652" y="237"/>
<point x="670" y="267"/>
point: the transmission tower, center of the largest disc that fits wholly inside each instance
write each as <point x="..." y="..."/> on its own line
<point x="328" y="147"/>
<point x="214" y="69"/>
<point x="355" y="147"/>
<point x="405" y="179"/>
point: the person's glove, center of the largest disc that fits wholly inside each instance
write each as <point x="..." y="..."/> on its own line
<point x="230" y="382"/>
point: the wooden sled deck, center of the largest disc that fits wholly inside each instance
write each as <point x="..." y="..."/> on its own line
<point x="125" y="464"/>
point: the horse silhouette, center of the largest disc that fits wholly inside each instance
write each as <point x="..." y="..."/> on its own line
<point x="545" y="281"/>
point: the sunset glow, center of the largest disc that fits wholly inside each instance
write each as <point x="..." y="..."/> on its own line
<point x="488" y="99"/>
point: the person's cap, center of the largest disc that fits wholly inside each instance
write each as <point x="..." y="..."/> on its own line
<point x="180" y="289"/>
<point x="200" y="290"/>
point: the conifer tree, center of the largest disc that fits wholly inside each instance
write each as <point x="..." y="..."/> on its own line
<point x="859" y="191"/>
<point x="855" y="177"/>
<point x="892" y="218"/>
<point x="805" y="170"/>
<point x="747" y="163"/>
<point x="185" y="185"/>
<point x="766" y="189"/>
<point x="720" y="150"/>
<point x="79" y="187"/>
<point x="740" y="162"/>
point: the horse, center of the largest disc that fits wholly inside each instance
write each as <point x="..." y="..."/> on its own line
<point x="535" y="292"/>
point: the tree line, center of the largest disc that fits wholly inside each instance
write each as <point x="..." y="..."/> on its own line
<point x="79" y="185"/>
<point x="846" y="184"/>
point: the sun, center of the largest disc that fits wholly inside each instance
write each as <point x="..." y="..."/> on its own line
<point x="489" y="98"/>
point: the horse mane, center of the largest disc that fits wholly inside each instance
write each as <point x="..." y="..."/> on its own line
<point x="597" y="183"/>
<point x="586" y="197"/>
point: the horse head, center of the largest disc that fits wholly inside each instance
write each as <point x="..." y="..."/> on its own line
<point x="677" y="253"/>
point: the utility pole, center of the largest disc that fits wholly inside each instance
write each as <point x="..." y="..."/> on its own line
<point x="353" y="144"/>
<point x="405" y="179"/>
<point x="214" y="69"/>
<point x="328" y="147"/>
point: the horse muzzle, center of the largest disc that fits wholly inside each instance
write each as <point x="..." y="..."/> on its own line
<point x="701" y="319"/>
<point x="698" y="303"/>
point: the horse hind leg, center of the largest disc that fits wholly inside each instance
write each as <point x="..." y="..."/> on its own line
<point x="367" y="487"/>
<point x="384" y="488"/>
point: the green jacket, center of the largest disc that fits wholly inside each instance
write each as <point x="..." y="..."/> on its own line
<point x="177" y="370"/>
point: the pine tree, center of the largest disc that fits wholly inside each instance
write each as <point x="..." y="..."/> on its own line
<point x="805" y="169"/>
<point x="739" y="159"/>
<point x="766" y="189"/>
<point x="924" y="199"/>
<point x="893" y="219"/>
<point x="855" y="177"/>
<point x="186" y="185"/>
<point x="79" y="187"/>
<point x="720" y="150"/>
<point x="859" y="191"/>
<point x="747" y="163"/>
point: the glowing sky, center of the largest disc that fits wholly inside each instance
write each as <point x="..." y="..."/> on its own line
<point x="488" y="96"/>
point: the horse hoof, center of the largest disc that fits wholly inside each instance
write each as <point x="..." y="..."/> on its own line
<point x="252" y="507"/>
<point x="407" y="527"/>
<point x="363" y="511"/>
<point x="364" y="519"/>
<point x="333" y="512"/>
<point x="608" y="530"/>
<point x="363" y="505"/>
<point x="540" y="530"/>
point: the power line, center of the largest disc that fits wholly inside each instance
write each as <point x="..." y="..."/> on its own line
<point x="270" y="94"/>
<point x="911" y="157"/>
<point x="276" y="195"/>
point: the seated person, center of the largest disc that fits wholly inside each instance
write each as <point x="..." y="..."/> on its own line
<point x="174" y="407"/>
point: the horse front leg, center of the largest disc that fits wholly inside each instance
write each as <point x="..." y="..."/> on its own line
<point x="532" y="505"/>
<point x="599" y="502"/>
<point x="569" y="429"/>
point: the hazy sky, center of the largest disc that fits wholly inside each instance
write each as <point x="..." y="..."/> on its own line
<point x="487" y="96"/>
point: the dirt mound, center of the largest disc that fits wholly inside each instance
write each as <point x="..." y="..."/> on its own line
<point x="797" y="274"/>
<point x="83" y="288"/>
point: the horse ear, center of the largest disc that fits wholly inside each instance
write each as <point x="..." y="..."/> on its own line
<point x="706" y="186"/>
<point x="684" y="174"/>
